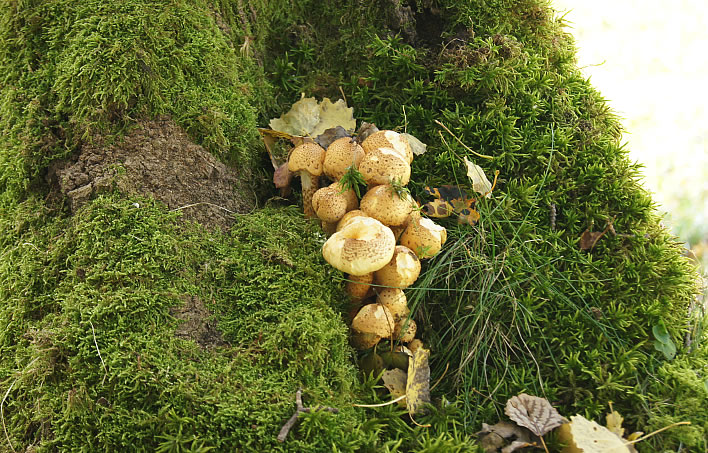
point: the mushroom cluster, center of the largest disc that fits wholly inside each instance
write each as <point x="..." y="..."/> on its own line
<point x="377" y="241"/>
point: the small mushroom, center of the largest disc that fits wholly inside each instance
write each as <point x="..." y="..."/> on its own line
<point x="383" y="165"/>
<point x="364" y="245"/>
<point x="342" y="154"/>
<point x="363" y="341"/>
<point x="389" y="139"/>
<point x="306" y="161"/>
<point x="359" y="286"/>
<point x="402" y="271"/>
<point x="405" y="330"/>
<point x="374" y="319"/>
<point x="329" y="204"/>
<point x="385" y="205"/>
<point x="395" y="300"/>
<point x="424" y="237"/>
<point x="348" y="217"/>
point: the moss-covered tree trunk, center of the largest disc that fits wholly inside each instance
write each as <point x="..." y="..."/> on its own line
<point x="124" y="327"/>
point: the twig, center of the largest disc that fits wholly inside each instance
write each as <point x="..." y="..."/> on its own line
<point x="387" y="403"/>
<point x="202" y="202"/>
<point x="461" y="143"/>
<point x="105" y="370"/>
<point x="300" y="409"/>
<point x="2" y="415"/>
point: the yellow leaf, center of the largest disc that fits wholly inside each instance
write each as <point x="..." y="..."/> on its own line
<point x="480" y="183"/>
<point x="614" y="423"/>
<point x="585" y="436"/>
<point x="333" y="114"/>
<point x="395" y="381"/>
<point x="418" y="381"/>
<point x="301" y="119"/>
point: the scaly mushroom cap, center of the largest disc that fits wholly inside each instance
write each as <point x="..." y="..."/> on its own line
<point x="350" y="195"/>
<point x="348" y="217"/>
<point x="383" y="165"/>
<point x="374" y="319"/>
<point x="329" y="204"/>
<point x="341" y="154"/>
<point x="405" y="335"/>
<point x="424" y="237"/>
<point x="395" y="300"/>
<point x="402" y="271"/>
<point x="364" y="245"/>
<point x="389" y="139"/>
<point x="361" y="341"/>
<point x="385" y="205"/>
<point x="307" y="161"/>
<point x="358" y="286"/>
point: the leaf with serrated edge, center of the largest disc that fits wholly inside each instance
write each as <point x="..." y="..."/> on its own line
<point x="614" y="423"/>
<point x="585" y="436"/>
<point x="533" y="413"/>
<point x="418" y="382"/>
<point x="480" y="183"/>
<point x="301" y="119"/>
<point x="333" y="114"/>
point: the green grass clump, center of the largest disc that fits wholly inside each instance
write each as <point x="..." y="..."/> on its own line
<point x="89" y="356"/>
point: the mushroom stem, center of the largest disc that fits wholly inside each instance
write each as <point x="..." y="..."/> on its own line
<point x="310" y="184"/>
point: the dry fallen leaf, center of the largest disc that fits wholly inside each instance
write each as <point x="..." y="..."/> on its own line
<point x="480" y="183"/>
<point x="282" y="178"/>
<point x="505" y="435"/>
<point x="614" y="423"/>
<point x="533" y="413"/>
<point x="327" y="137"/>
<point x="585" y="436"/>
<point x="395" y="381"/>
<point x="589" y="239"/>
<point x="307" y="117"/>
<point x="365" y="130"/>
<point x="333" y="114"/>
<point x="418" y="381"/>
<point x="416" y="145"/>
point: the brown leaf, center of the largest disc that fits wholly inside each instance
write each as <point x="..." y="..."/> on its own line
<point x="365" y="130"/>
<point x="282" y="178"/>
<point x="418" y="382"/>
<point x="330" y="135"/>
<point x="534" y="413"/>
<point x="506" y="435"/>
<point x="589" y="239"/>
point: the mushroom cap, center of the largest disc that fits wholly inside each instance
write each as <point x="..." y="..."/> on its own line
<point x="359" y="286"/>
<point x="383" y="204"/>
<point x="389" y="139"/>
<point x="395" y="300"/>
<point x="413" y="345"/>
<point x="341" y="154"/>
<point x="361" y="341"/>
<point x="329" y="204"/>
<point x="307" y="157"/>
<point x="348" y="217"/>
<point x="374" y="319"/>
<point x="350" y="195"/>
<point x="382" y="165"/>
<point x="402" y="271"/>
<point x="364" y="245"/>
<point x="408" y="334"/>
<point x="424" y="237"/>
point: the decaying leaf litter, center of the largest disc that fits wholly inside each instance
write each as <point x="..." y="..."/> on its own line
<point x="389" y="230"/>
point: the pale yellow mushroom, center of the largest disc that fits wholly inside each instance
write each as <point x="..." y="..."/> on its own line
<point x="385" y="205"/>
<point x="424" y="237"/>
<point x="341" y="154"/>
<point x="402" y="271"/>
<point x="389" y="139"/>
<point x="364" y="245"/>
<point x="306" y="161"/>
<point x="383" y="165"/>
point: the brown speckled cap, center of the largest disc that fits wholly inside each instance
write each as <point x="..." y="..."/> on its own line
<point x="374" y="319"/>
<point x="364" y="245"/>
<point x="424" y="237"/>
<point x="341" y="154"/>
<point x="307" y="157"/>
<point x="385" y="205"/>
<point x="389" y="139"/>
<point x="382" y="165"/>
<point x="402" y="271"/>
<point x="329" y="204"/>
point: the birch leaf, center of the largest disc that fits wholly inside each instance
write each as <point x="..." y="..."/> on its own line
<point x="585" y="436"/>
<point x="480" y="183"/>
<point x="533" y="413"/>
<point x="418" y="381"/>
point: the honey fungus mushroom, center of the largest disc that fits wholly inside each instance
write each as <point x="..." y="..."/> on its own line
<point x="307" y="162"/>
<point x="331" y="203"/>
<point x="387" y="206"/>
<point x="374" y="319"/>
<point x="389" y="139"/>
<point x="364" y="245"/>
<point x="383" y="165"/>
<point x="341" y="154"/>
<point x="424" y="237"/>
<point x="402" y="271"/>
